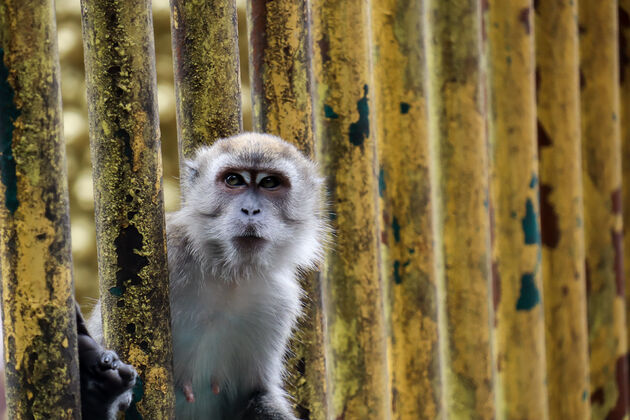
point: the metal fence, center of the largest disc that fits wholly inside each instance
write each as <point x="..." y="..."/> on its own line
<point x="475" y="153"/>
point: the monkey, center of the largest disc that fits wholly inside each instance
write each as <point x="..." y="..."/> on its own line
<point x="106" y="382"/>
<point x="251" y="222"/>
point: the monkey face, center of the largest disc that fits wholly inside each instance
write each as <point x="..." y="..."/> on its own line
<point x="254" y="198"/>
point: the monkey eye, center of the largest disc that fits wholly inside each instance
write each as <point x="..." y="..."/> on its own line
<point x="270" y="182"/>
<point x="234" y="180"/>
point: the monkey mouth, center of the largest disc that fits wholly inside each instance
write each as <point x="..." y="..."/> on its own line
<point x="249" y="239"/>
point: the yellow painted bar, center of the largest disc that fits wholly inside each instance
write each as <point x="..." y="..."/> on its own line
<point x="408" y="263"/>
<point x="125" y="145"/>
<point x="355" y="331"/>
<point x="458" y="140"/>
<point x="516" y="263"/>
<point x="207" y="72"/>
<point x="40" y="341"/>
<point x="562" y="211"/>
<point x="280" y="72"/>
<point x="624" y="91"/>
<point x="601" y="169"/>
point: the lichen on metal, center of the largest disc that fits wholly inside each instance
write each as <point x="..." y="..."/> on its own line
<point x="406" y="228"/>
<point x="516" y="263"/>
<point x="561" y="209"/>
<point x="125" y="144"/>
<point x="457" y="115"/>
<point x="355" y="330"/>
<point x="40" y="343"/>
<point x="207" y="72"/>
<point x="603" y="224"/>
<point x="280" y="71"/>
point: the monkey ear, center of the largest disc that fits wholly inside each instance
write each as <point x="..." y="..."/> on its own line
<point x="190" y="172"/>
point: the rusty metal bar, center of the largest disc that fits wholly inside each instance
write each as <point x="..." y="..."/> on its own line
<point x="516" y="266"/>
<point x="40" y="342"/>
<point x="280" y="73"/>
<point x="125" y="143"/>
<point x="355" y="329"/>
<point x="408" y="262"/>
<point x="207" y="72"/>
<point x="561" y="209"/>
<point x="603" y="225"/>
<point x="458" y="139"/>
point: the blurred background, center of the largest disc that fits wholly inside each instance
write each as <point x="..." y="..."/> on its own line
<point x="75" y="121"/>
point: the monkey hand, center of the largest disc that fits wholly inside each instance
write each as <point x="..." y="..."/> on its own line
<point x="106" y="381"/>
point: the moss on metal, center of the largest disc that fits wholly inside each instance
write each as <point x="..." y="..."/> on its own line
<point x="207" y="72"/>
<point x="406" y="229"/>
<point x="280" y="71"/>
<point x="355" y="329"/>
<point x="561" y="209"/>
<point x="601" y="174"/>
<point x="457" y="131"/>
<point x="40" y="343"/>
<point x="516" y="263"/>
<point x="125" y="143"/>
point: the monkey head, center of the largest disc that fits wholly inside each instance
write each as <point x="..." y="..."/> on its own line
<point x="254" y="200"/>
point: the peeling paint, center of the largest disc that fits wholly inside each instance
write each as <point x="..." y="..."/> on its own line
<point x="8" y="115"/>
<point x="530" y="224"/>
<point x="529" y="296"/>
<point x="360" y="130"/>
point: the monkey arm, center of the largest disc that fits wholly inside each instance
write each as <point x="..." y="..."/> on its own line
<point x="106" y="381"/>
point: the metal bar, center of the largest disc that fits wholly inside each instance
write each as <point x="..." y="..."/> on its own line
<point x="458" y="139"/>
<point x="408" y="262"/>
<point x="562" y="209"/>
<point x="280" y="72"/>
<point x="125" y="143"/>
<point x="355" y="330"/>
<point x="40" y="342"/>
<point x="601" y="169"/>
<point x="516" y="263"/>
<point x="207" y="72"/>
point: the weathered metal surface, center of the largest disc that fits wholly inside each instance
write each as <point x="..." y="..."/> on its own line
<point x="280" y="70"/>
<point x="562" y="211"/>
<point x="601" y="168"/>
<point x="458" y="140"/>
<point x="355" y="330"/>
<point x="408" y="265"/>
<point x="125" y="143"/>
<point x="516" y="264"/>
<point x="624" y="91"/>
<point x="40" y="342"/>
<point x="207" y="72"/>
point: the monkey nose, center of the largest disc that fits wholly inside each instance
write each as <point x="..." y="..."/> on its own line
<point x="248" y="211"/>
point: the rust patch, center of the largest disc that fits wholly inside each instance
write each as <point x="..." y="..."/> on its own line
<point x="587" y="276"/>
<point x="617" y="240"/>
<point x="618" y="412"/>
<point x="597" y="397"/>
<point x="548" y="218"/>
<point x="543" y="137"/>
<point x="617" y="204"/>
<point x="523" y="17"/>
<point x="324" y="49"/>
<point x="496" y="288"/>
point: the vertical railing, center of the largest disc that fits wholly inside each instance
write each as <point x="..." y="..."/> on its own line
<point x="125" y="143"/>
<point x="355" y="335"/>
<point x="406" y="218"/>
<point x="516" y="265"/>
<point x="40" y="341"/>
<point x="207" y="72"/>
<point x="561" y="209"/>
<point x="601" y="166"/>
<point x="624" y="93"/>
<point x="280" y="70"/>
<point x="457" y="112"/>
